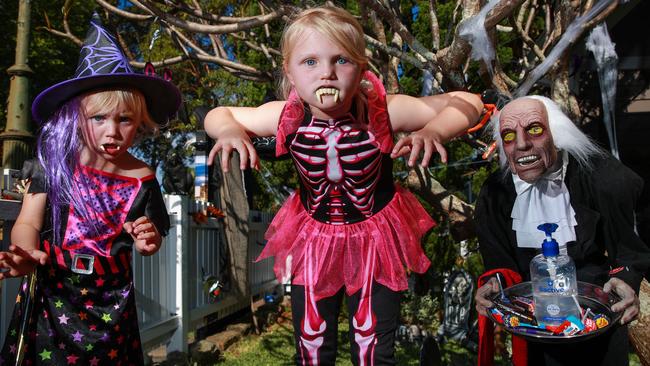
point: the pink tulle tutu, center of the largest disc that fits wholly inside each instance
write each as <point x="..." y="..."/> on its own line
<point x="327" y="257"/>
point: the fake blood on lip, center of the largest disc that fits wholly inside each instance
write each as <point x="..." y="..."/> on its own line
<point x="111" y="149"/>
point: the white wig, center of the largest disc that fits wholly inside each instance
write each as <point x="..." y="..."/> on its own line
<point x="566" y="135"/>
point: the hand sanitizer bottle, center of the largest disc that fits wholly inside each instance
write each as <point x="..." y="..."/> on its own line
<point x="553" y="276"/>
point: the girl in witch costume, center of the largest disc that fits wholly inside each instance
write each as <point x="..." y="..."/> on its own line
<point x="349" y="231"/>
<point x="89" y="202"/>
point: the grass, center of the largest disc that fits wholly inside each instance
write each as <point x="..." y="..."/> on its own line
<point x="276" y="347"/>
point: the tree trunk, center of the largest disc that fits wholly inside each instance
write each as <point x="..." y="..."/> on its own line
<point x="456" y="210"/>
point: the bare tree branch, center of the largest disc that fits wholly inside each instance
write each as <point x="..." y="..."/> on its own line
<point x="435" y="28"/>
<point x="527" y="40"/>
<point x="69" y="36"/>
<point x="501" y="11"/>
<point x="253" y="45"/>
<point x="392" y="51"/>
<point x="600" y="17"/>
<point x="213" y="29"/>
<point x="404" y="33"/>
<point x="123" y="13"/>
<point x="204" y="56"/>
<point x="197" y="12"/>
<point x="456" y="210"/>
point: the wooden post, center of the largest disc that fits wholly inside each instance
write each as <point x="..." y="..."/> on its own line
<point x="235" y="206"/>
<point x="640" y="328"/>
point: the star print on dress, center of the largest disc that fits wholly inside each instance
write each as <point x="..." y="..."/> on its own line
<point x="45" y="355"/>
<point x="86" y="319"/>
<point x="106" y="317"/>
<point x="77" y="336"/>
<point x="112" y="354"/>
<point x="72" y="359"/>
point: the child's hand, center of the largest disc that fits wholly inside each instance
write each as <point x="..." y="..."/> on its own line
<point x="19" y="262"/>
<point x="414" y="143"/>
<point x="234" y="139"/>
<point x="145" y="236"/>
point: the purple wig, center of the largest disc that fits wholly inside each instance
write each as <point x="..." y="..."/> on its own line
<point x="58" y="147"/>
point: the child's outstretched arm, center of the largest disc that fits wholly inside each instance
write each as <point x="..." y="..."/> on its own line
<point x="433" y="120"/>
<point x="232" y="126"/>
<point x="23" y="255"/>
<point x="146" y="238"/>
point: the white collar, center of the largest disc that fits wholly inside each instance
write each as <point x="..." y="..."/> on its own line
<point x="546" y="200"/>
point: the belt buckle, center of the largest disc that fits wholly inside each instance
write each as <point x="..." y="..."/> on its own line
<point x="79" y="261"/>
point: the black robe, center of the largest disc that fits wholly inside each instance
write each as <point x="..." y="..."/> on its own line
<point x="603" y="198"/>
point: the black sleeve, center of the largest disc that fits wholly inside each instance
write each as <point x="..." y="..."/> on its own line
<point x="491" y="220"/>
<point x="155" y="208"/>
<point x="33" y="170"/>
<point x="617" y="191"/>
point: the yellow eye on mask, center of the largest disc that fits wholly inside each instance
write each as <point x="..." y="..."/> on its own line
<point x="535" y="130"/>
<point x="508" y="136"/>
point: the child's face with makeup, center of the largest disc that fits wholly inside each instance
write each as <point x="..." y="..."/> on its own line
<point x="323" y="75"/>
<point x="108" y="131"/>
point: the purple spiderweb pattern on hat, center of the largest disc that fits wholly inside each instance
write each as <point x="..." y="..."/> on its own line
<point x="100" y="55"/>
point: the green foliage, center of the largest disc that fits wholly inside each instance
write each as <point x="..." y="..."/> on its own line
<point x="276" y="347"/>
<point x="409" y="85"/>
<point x="422" y="310"/>
<point x="52" y="59"/>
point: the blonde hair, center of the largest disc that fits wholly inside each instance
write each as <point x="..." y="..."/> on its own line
<point x="334" y="23"/>
<point x="133" y="100"/>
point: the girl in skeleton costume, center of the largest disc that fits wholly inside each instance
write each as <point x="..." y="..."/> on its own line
<point x="89" y="202"/>
<point x="349" y="231"/>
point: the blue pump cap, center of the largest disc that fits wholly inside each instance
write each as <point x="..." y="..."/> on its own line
<point x="550" y="247"/>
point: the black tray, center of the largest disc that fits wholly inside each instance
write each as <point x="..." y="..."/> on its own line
<point x="589" y="296"/>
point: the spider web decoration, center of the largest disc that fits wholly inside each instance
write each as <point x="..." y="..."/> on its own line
<point x="101" y="55"/>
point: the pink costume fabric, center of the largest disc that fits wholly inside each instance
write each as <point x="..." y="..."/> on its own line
<point x="326" y="256"/>
<point x="84" y="304"/>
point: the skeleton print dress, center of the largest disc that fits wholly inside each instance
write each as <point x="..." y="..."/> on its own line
<point x="348" y="224"/>
<point x="84" y="309"/>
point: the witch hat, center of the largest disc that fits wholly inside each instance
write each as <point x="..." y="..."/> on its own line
<point x="103" y="65"/>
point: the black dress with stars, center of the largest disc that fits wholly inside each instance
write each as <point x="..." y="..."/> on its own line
<point x="84" y="309"/>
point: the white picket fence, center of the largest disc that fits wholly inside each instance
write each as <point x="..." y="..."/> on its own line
<point x="169" y="285"/>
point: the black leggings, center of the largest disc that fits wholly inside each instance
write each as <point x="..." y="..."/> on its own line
<point x="373" y="321"/>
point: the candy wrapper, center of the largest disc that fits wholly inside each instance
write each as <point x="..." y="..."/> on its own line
<point x="515" y="311"/>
